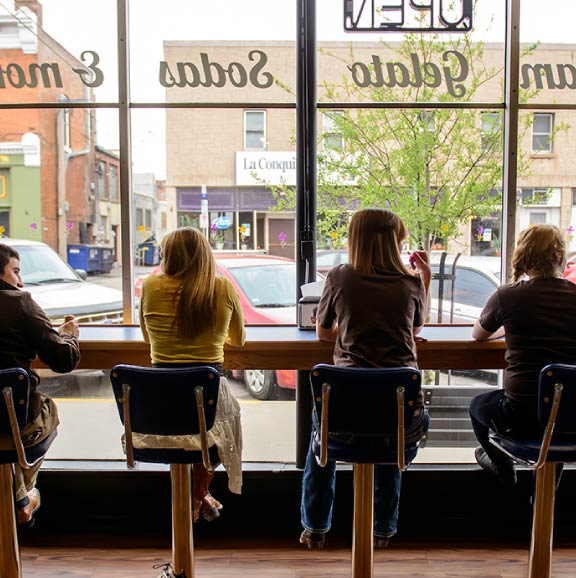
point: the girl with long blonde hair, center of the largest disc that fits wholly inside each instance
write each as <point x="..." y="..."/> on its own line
<point x="188" y="314"/>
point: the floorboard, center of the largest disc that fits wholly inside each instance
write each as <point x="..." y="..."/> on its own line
<point x="85" y="556"/>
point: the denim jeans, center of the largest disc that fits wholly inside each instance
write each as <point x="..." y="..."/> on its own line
<point x="319" y="487"/>
<point x="494" y="411"/>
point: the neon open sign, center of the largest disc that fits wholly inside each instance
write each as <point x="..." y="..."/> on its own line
<point x="408" y="15"/>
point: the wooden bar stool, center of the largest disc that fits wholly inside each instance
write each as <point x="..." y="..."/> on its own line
<point x="372" y="402"/>
<point x="558" y="446"/>
<point x="166" y="401"/>
<point x="15" y="386"/>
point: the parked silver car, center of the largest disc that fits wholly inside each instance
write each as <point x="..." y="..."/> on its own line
<point x="60" y="290"/>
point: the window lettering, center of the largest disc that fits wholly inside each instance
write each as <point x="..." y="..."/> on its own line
<point x="210" y="73"/>
<point x="214" y="74"/>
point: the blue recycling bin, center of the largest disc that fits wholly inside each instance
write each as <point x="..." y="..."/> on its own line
<point x="85" y="257"/>
<point x="148" y="253"/>
<point x="106" y="259"/>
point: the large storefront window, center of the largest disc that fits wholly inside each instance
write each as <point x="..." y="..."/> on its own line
<point x="414" y="121"/>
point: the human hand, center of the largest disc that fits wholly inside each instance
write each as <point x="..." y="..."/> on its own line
<point x="420" y="262"/>
<point x="70" y="326"/>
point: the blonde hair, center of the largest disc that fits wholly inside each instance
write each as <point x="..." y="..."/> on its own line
<point x="186" y="255"/>
<point x="540" y="250"/>
<point x="375" y="238"/>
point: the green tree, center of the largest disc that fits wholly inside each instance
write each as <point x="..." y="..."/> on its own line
<point x="437" y="168"/>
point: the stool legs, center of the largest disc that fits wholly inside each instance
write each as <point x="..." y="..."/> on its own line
<point x="543" y="523"/>
<point x="363" y="536"/>
<point x="182" y="539"/>
<point x="9" y="553"/>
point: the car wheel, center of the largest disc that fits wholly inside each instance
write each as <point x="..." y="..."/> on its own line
<point x="261" y="383"/>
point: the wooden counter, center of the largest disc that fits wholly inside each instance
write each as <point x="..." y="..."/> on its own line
<point x="287" y="347"/>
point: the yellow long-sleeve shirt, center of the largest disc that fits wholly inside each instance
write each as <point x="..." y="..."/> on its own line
<point x="158" y="304"/>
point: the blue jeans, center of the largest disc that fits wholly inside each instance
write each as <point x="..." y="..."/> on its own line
<point x="319" y="487"/>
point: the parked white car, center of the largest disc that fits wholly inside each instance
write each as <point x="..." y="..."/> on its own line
<point x="476" y="278"/>
<point x="60" y="290"/>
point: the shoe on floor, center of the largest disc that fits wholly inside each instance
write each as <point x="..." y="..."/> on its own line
<point x="25" y="514"/>
<point x="381" y="543"/>
<point x="167" y="571"/>
<point x="504" y="471"/>
<point x="314" y="540"/>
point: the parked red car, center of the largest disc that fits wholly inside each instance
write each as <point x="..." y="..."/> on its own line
<point x="266" y="288"/>
<point x="570" y="270"/>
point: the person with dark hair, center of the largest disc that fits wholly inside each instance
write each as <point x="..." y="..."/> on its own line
<point x="187" y="314"/>
<point x="535" y="315"/>
<point x="372" y="309"/>
<point x="27" y="333"/>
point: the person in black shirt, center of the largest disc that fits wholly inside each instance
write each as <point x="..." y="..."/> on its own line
<point x="26" y="334"/>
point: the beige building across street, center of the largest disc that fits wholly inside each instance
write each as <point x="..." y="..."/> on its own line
<point x="223" y="162"/>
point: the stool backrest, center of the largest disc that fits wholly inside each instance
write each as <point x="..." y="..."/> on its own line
<point x="18" y="381"/>
<point x="364" y="401"/>
<point x="551" y="376"/>
<point x="163" y="401"/>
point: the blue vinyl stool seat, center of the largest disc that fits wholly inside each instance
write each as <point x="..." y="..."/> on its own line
<point x="168" y="402"/>
<point x="556" y="410"/>
<point x="15" y="386"/>
<point x="372" y="402"/>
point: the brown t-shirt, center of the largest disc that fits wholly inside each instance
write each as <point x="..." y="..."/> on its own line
<point x="376" y="314"/>
<point x="539" y="318"/>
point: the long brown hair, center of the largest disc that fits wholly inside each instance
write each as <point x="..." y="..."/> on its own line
<point x="375" y="238"/>
<point x="186" y="255"/>
<point x="540" y="250"/>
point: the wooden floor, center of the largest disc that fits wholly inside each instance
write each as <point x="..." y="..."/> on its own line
<point x="85" y="556"/>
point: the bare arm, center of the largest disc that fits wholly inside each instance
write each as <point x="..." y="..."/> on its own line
<point x="419" y="260"/>
<point x="327" y="334"/>
<point x="479" y="333"/>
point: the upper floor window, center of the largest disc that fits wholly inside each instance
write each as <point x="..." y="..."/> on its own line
<point x="255" y="129"/>
<point x="139" y="218"/>
<point x="491" y="131"/>
<point x="537" y="218"/>
<point x="427" y="120"/>
<point x="542" y="132"/>
<point x="113" y="183"/>
<point x="550" y="197"/>
<point x="101" y="180"/>
<point x="67" y="137"/>
<point x="332" y="132"/>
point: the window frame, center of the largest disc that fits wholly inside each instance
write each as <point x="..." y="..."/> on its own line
<point x="263" y="138"/>
<point x="538" y="134"/>
<point x="331" y="131"/>
<point x="488" y="128"/>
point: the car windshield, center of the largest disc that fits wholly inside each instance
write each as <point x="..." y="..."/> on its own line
<point x="40" y="264"/>
<point x="267" y="285"/>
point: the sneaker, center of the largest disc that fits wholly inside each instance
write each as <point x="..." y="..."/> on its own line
<point x="314" y="540"/>
<point x="167" y="571"/>
<point x="504" y="470"/>
<point x="25" y="514"/>
<point x="381" y="543"/>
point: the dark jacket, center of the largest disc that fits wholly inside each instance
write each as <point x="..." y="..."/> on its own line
<point x="27" y="333"/>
